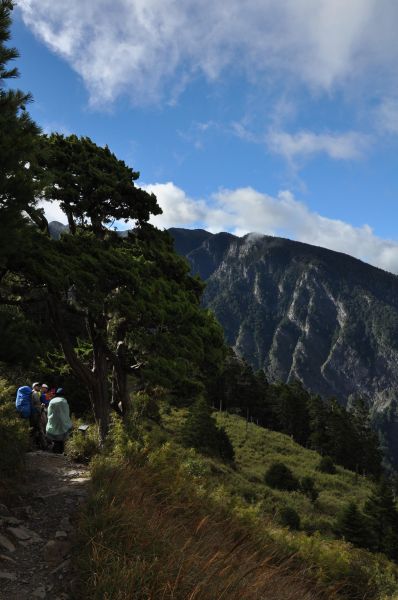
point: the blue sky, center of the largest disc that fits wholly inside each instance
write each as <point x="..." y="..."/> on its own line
<point x="267" y="116"/>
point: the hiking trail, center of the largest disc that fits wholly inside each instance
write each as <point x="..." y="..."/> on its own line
<point x="36" y="531"/>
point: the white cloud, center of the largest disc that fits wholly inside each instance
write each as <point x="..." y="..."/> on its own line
<point x="142" y="47"/>
<point x="246" y="210"/>
<point x="52" y="211"/>
<point x="387" y="116"/>
<point x="178" y="208"/>
<point x="304" y="144"/>
<point x="339" y="146"/>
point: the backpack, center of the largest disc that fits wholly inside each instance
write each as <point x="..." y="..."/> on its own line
<point x="23" y="401"/>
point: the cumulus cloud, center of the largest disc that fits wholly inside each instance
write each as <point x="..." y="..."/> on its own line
<point x="246" y="210"/>
<point x="142" y="47"/>
<point x="178" y="209"/>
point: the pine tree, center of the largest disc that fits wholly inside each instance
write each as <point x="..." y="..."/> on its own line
<point x="117" y="306"/>
<point x="18" y="137"/>
<point x="200" y="431"/>
<point x="368" y="455"/>
<point x="94" y="188"/>
<point x="341" y="443"/>
<point x="381" y="511"/>
<point x="353" y="526"/>
<point x="318" y="423"/>
<point x="18" y="140"/>
<point x="291" y="408"/>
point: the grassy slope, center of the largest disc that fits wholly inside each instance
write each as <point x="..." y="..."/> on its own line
<point x="149" y="497"/>
<point x="257" y="448"/>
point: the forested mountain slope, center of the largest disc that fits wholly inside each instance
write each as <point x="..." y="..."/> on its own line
<point x="300" y="311"/>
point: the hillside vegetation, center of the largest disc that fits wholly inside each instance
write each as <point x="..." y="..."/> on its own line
<point x="256" y="449"/>
<point x="171" y="521"/>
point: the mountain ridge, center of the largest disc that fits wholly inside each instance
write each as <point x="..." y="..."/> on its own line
<point x="302" y="311"/>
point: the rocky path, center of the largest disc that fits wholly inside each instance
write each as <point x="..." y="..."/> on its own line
<point x="36" y="533"/>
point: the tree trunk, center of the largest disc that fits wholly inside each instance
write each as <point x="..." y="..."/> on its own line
<point x="71" y="223"/>
<point x="100" y="403"/>
<point x="98" y="392"/>
<point x="120" y="396"/>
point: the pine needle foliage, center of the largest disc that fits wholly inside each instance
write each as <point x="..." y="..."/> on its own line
<point x="200" y="431"/>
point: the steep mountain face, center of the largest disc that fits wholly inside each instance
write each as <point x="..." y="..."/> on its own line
<point x="302" y="312"/>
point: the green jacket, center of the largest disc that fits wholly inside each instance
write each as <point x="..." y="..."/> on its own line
<point x="58" y="420"/>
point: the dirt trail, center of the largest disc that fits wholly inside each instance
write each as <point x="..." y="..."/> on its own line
<point x="37" y="530"/>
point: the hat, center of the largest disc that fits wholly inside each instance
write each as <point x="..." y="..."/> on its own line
<point x="34" y="384"/>
<point x="44" y="385"/>
<point x="60" y="391"/>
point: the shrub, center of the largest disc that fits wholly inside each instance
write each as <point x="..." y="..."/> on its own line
<point x="307" y="486"/>
<point x="326" y="465"/>
<point x="288" y="517"/>
<point x="279" y="476"/>
<point x="14" y="435"/>
<point x="146" y="406"/>
<point x="82" y="446"/>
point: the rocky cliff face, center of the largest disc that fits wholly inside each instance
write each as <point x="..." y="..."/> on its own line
<point x="302" y="312"/>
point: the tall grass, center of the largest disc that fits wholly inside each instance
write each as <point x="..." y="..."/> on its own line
<point x="143" y="540"/>
<point x="164" y="522"/>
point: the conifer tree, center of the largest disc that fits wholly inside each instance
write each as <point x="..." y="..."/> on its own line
<point x="318" y="424"/>
<point x="117" y="306"/>
<point x="381" y="511"/>
<point x="200" y="431"/>
<point x="291" y="407"/>
<point x="18" y="133"/>
<point x="18" y="139"/>
<point x="353" y="526"/>
<point x="94" y="188"/>
<point x="368" y="454"/>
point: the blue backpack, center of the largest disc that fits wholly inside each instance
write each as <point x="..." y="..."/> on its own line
<point x="23" y="401"/>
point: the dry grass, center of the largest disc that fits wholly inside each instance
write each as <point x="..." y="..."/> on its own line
<point x="145" y="543"/>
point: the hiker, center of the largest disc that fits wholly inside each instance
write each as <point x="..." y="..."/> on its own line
<point x="36" y="420"/>
<point x="59" y="424"/>
<point x="43" y="394"/>
<point x="50" y="394"/>
<point x="23" y="401"/>
<point x="36" y="417"/>
<point x="44" y="404"/>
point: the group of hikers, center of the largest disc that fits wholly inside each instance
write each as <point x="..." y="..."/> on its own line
<point x="48" y="413"/>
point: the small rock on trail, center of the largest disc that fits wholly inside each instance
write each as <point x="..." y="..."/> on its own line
<point x="36" y="533"/>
